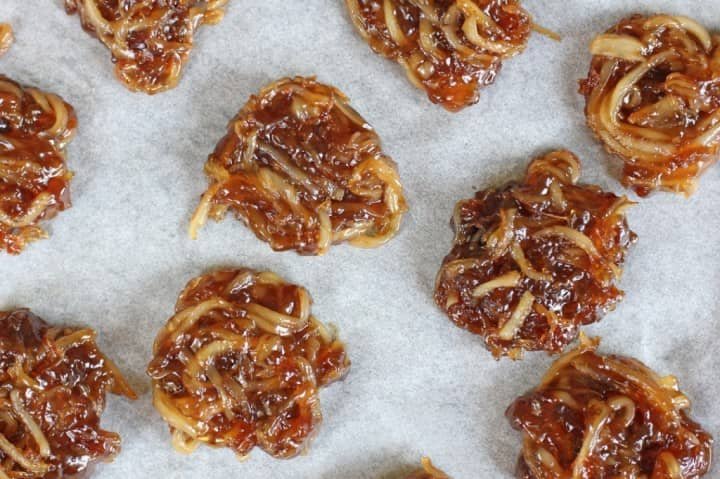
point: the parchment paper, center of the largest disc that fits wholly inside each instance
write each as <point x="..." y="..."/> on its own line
<point x="117" y="260"/>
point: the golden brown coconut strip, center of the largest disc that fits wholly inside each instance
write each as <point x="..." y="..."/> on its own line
<point x="429" y="471"/>
<point x="6" y="38"/>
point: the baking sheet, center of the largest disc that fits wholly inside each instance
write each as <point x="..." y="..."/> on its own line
<point x="118" y="259"/>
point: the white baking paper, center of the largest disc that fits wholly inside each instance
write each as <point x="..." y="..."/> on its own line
<point x="418" y="385"/>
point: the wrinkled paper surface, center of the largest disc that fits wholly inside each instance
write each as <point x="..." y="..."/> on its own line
<point x="418" y="385"/>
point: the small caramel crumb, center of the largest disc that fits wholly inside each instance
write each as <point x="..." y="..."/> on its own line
<point x="6" y="38"/>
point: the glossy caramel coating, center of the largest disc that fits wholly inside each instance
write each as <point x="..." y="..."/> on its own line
<point x="533" y="261"/>
<point x="241" y="364"/>
<point x="304" y="171"/>
<point x="35" y="128"/>
<point x="598" y="417"/>
<point x="448" y="48"/>
<point x="53" y="383"/>
<point x="653" y="99"/>
<point x="150" y="40"/>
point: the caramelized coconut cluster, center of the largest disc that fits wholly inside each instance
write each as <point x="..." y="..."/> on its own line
<point x="428" y="471"/>
<point x="241" y="364"/>
<point x="6" y="38"/>
<point x="608" y="416"/>
<point x="533" y="261"/>
<point x="449" y="48"/>
<point x="35" y="128"/>
<point x="653" y="98"/>
<point x="303" y="170"/>
<point x="150" y="40"/>
<point x="53" y="383"/>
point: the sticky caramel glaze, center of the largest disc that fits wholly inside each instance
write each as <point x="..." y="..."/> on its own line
<point x="303" y="170"/>
<point x="533" y="261"/>
<point x="653" y="99"/>
<point x="35" y="128"/>
<point x="595" y="417"/>
<point x="58" y="378"/>
<point x="241" y="364"/>
<point x="150" y="40"/>
<point x="429" y="471"/>
<point x="448" y="48"/>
